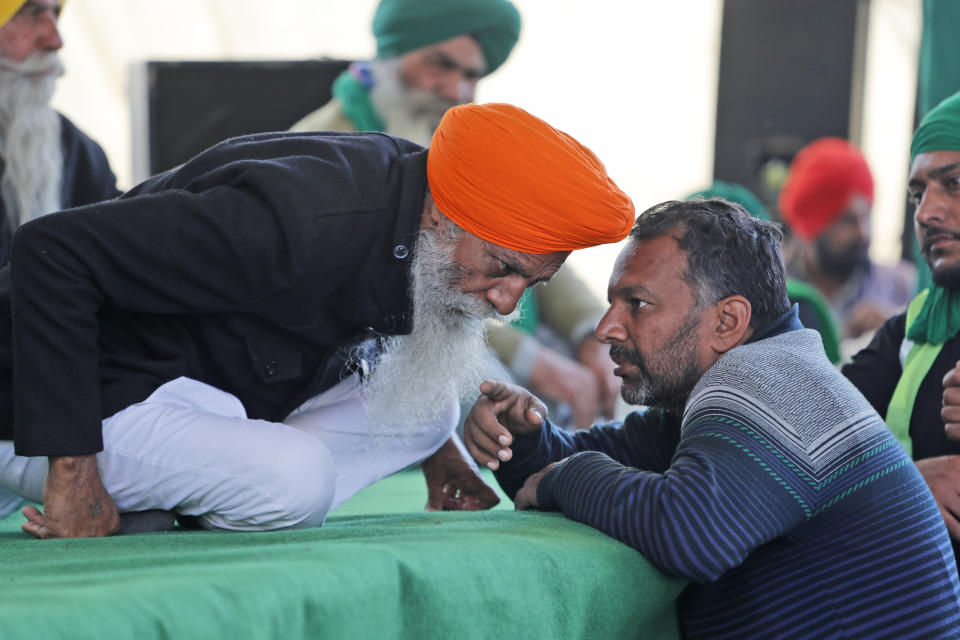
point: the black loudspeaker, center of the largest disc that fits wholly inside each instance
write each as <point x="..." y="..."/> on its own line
<point x="193" y="105"/>
<point x="791" y="71"/>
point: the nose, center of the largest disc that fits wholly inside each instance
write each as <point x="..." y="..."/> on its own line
<point x="505" y="295"/>
<point x="48" y="33"/>
<point x="453" y="86"/>
<point x="931" y="209"/>
<point x="609" y="330"/>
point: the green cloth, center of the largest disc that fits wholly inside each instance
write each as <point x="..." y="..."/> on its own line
<point x="529" y="316"/>
<point x="404" y="25"/>
<point x="915" y="368"/>
<point x="733" y="192"/>
<point x="798" y="291"/>
<point x="939" y="73"/>
<point x="939" y="319"/>
<point x="356" y="103"/>
<point x="940" y="129"/>
<point x="379" y="568"/>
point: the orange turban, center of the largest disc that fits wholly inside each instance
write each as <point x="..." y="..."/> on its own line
<point x="513" y="180"/>
<point x="823" y="177"/>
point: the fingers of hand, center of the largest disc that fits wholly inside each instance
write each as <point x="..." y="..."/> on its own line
<point x="487" y="451"/>
<point x="952" y="378"/>
<point x="35" y="524"/>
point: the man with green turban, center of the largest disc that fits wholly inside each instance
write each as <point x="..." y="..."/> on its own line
<point x="430" y="55"/>
<point x="909" y="371"/>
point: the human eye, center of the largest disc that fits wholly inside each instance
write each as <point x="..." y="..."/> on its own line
<point x="915" y="195"/>
<point x="502" y="269"/>
<point x="636" y="304"/>
<point x="952" y="182"/>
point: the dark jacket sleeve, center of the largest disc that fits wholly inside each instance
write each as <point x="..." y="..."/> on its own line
<point x="87" y="176"/>
<point x="875" y="370"/>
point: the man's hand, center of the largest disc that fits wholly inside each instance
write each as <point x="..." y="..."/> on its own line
<point x="526" y="498"/>
<point x="951" y="403"/>
<point x="501" y="412"/>
<point x="943" y="477"/>
<point x="559" y="378"/>
<point x="75" y="503"/>
<point x="867" y="316"/>
<point x="595" y="356"/>
<point x="454" y="482"/>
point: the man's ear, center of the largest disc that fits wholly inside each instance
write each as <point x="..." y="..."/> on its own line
<point x="431" y="218"/>
<point x="731" y="324"/>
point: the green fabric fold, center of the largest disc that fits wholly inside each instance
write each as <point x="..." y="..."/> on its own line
<point x="939" y="319"/>
<point x="404" y="25"/>
<point x="355" y="99"/>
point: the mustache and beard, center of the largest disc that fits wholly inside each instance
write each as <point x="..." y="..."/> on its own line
<point x="843" y="263"/>
<point x="408" y="113"/>
<point x="947" y="277"/>
<point x="667" y="376"/>
<point x="416" y="375"/>
<point x="30" y="138"/>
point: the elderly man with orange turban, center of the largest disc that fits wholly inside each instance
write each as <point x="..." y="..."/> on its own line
<point x="251" y="338"/>
<point x="826" y="202"/>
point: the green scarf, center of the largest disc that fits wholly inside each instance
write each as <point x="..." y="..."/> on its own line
<point x="939" y="318"/>
<point x="355" y="99"/>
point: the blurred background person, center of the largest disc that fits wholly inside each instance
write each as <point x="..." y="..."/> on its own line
<point x="47" y="163"/>
<point x="826" y="201"/>
<point x="430" y="55"/>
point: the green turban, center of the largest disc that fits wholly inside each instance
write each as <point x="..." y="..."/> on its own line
<point x="940" y="129"/>
<point x="404" y="25"/>
<point x="733" y="192"/>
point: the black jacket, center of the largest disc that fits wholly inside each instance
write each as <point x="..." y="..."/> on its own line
<point x="86" y="178"/>
<point x="249" y="268"/>
<point x="876" y="370"/>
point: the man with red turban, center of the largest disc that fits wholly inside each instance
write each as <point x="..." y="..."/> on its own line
<point x="826" y="202"/>
<point x="254" y="336"/>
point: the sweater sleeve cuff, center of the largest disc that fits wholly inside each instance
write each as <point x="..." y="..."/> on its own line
<point x="545" y="500"/>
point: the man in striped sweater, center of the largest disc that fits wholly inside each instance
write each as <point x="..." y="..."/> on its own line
<point x="756" y="470"/>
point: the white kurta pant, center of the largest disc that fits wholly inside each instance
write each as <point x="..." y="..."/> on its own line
<point x="190" y="448"/>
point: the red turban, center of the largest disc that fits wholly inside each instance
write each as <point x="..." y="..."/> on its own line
<point x="823" y="177"/>
<point x="513" y="180"/>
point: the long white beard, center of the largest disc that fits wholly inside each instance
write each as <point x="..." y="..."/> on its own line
<point x="417" y="374"/>
<point x="30" y="138"/>
<point x="408" y="113"/>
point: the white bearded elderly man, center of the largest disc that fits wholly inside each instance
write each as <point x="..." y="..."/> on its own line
<point x="48" y="164"/>
<point x="252" y="337"/>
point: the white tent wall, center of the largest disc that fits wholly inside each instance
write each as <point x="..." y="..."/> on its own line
<point x="634" y="81"/>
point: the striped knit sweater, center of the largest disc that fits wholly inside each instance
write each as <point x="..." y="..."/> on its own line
<point x="782" y="496"/>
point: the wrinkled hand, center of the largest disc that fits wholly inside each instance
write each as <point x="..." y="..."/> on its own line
<point x="502" y="411"/>
<point x="454" y="482"/>
<point x="559" y="378"/>
<point x="595" y="356"/>
<point x="526" y="498"/>
<point x="942" y="475"/>
<point x="75" y="503"/>
<point x="951" y="403"/>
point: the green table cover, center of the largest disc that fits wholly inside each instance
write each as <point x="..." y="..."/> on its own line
<point x="379" y="568"/>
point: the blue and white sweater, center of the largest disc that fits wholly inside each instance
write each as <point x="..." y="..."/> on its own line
<point x="782" y="496"/>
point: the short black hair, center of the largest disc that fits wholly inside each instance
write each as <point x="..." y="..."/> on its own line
<point x="728" y="253"/>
